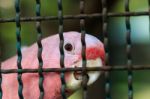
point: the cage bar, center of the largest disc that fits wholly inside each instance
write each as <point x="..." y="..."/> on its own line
<point x="40" y="48"/>
<point x="149" y="15"/>
<point x="19" y="54"/>
<point x="1" y="91"/>
<point x="95" y="68"/>
<point x="84" y="71"/>
<point x="78" y="17"/>
<point x="61" y="44"/>
<point x="128" y="49"/>
<point x="105" y="34"/>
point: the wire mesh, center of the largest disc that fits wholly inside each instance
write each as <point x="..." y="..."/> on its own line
<point x="82" y="16"/>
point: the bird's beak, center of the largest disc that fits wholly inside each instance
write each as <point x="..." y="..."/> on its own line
<point x="75" y="78"/>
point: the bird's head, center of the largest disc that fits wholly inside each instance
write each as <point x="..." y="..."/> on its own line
<point x="95" y="56"/>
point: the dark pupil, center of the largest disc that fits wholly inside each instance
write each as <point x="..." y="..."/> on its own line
<point x="68" y="47"/>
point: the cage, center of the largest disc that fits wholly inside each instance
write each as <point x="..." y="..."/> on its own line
<point x="122" y="25"/>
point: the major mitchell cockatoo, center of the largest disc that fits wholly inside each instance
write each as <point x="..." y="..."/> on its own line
<point x="95" y="56"/>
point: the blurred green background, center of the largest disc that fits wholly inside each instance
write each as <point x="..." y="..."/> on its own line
<point x="140" y="36"/>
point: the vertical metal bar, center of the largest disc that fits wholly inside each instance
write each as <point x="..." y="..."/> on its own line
<point x="104" y="30"/>
<point x="84" y="72"/>
<point x="128" y="49"/>
<point x="1" y="92"/>
<point x="19" y="54"/>
<point x="149" y="16"/>
<point x="40" y="48"/>
<point x="62" y="74"/>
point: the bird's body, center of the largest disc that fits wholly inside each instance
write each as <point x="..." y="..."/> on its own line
<point x="51" y="59"/>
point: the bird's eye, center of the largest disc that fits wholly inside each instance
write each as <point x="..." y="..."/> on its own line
<point x="68" y="47"/>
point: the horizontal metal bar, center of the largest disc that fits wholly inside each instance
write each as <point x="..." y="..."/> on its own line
<point x="79" y="16"/>
<point x="103" y="68"/>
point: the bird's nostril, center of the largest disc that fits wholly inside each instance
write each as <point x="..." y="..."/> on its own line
<point x="77" y="60"/>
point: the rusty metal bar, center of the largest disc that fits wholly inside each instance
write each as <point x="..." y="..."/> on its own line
<point x="79" y="16"/>
<point x="128" y="50"/>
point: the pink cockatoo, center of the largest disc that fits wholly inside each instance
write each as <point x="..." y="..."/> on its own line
<point x="95" y="55"/>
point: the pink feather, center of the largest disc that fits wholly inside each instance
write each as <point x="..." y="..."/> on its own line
<point x="50" y="56"/>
